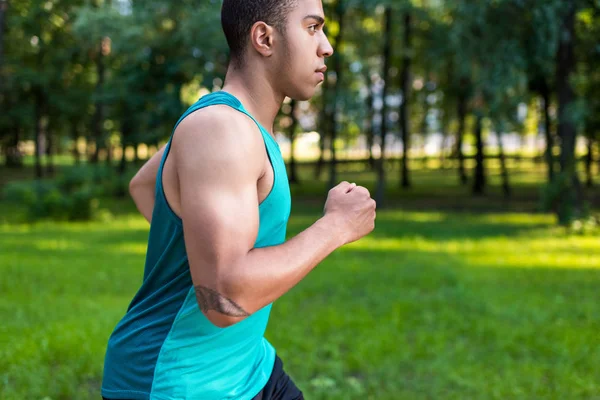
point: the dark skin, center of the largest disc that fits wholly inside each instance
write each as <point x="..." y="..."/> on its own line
<point x="218" y="172"/>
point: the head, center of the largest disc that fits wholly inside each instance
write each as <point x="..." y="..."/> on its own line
<point x="282" y="38"/>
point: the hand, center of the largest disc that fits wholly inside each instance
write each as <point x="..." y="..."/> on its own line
<point x="351" y="211"/>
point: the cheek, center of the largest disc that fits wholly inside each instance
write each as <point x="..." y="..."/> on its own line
<point x="298" y="48"/>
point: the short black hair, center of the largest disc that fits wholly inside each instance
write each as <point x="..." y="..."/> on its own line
<point x="238" y="17"/>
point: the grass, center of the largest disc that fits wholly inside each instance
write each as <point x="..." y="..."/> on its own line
<point x="439" y="302"/>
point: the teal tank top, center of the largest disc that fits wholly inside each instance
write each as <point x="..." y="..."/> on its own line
<point x="164" y="348"/>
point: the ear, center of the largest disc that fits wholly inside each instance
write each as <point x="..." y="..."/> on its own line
<point x="262" y="37"/>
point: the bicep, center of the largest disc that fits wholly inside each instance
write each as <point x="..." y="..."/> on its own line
<point x="220" y="223"/>
<point x="217" y="176"/>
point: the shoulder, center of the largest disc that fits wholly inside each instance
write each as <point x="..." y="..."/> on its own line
<point x="219" y="134"/>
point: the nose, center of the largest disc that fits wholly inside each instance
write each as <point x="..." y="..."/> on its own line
<point x="325" y="50"/>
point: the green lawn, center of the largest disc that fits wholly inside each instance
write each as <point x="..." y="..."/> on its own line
<point x="438" y="303"/>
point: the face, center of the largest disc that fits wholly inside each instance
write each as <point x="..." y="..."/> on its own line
<point x="299" y="63"/>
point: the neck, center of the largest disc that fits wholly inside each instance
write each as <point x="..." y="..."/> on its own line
<point x="256" y="93"/>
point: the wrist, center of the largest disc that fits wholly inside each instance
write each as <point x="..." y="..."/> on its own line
<point x="333" y="228"/>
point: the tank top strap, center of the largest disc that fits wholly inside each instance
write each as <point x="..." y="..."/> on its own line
<point x="212" y="99"/>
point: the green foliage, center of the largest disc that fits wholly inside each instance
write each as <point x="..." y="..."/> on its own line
<point x="496" y="55"/>
<point x="72" y="196"/>
<point x="587" y="226"/>
<point x="560" y="196"/>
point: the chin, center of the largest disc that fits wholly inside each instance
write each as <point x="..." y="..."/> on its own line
<point x="303" y="95"/>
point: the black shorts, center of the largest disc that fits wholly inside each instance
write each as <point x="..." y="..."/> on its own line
<point x="278" y="387"/>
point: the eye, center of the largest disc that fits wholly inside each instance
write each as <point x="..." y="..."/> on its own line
<point x="312" y="28"/>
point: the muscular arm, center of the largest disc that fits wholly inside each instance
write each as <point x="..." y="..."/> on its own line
<point x="143" y="185"/>
<point x="218" y="172"/>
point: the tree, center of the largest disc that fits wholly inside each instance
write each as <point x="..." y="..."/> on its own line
<point x="540" y="41"/>
<point x="570" y="199"/>
<point x="405" y="83"/>
<point x="3" y="8"/>
<point x="387" y="60"/>
<point x="294" y="178"/>
<point x="588" y="81"/>
<point x="333" y="117"/>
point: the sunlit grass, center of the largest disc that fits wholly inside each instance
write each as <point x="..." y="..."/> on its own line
<point x="533" y="248"/>
<point x="431" y="305"/>
<point x="476" y="304"/>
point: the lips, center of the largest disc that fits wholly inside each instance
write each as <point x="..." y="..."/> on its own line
<point x="321" y="72"/>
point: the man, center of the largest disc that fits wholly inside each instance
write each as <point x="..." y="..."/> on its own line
<point x="218" y="201"/>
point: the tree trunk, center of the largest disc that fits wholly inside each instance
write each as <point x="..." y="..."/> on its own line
<point x="126" y="132"/>
<point x="444" y="129"/>
<point x="548" y="132"/>
<point x="569" y="202"/>
<point x="38" y="110"/>
<point x="14" y="158"/>
<point x="387" y="60"/>
<point x="446" y="116"/>
<point x="292" y="135"/>
<point x="337" y="68"/>
<point x="425" y="104"/>
<point x="588" y="161"/>
<point x="404" y="107"/>
<point x="49" y="152"/>
<point x="123" y="162"/>
<point x="504" y="170"/>
<point x="75" y="138"/>
<point x="368" y="123"/>
<point x="323" y="113"/>
<point x="136" y="152"/>
<point x="479" y="182"/>
<point x="3" y="8"/>
<point x="443" y="145"/>
<point x="98" y="119"/>
<point x="321" y="160"/>
<point x="109" y="154"/>
<point x="460" y="133"/>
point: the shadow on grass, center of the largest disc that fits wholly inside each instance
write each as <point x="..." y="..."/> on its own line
<point x="434" y="225"/>
<point x="425" y="323"/>
<point x="409" y="318"/>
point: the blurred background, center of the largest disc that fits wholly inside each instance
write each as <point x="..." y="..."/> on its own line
<point x="476" y="126"/>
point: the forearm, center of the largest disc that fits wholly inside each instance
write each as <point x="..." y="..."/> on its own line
<point x="265" y="274"/>
<point x="142" y="186"/>
<point x="143" y="197"/>
<point x="233" y="282"/>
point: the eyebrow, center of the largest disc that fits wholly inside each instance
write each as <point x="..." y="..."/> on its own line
<point x="317" y="18"/>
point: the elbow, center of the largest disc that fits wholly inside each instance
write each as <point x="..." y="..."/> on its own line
<point x="137" y="188"/>
<point x="223" y="322"/>
<point x="220" y="309"/>
<point x="133" y="185"/>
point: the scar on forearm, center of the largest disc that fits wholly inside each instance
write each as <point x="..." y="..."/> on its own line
<point x="209" y="299"/>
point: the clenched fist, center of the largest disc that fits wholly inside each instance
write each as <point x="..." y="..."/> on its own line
<point x="352" y="210"/>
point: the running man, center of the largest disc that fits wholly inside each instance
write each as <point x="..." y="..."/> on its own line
<point x="218" y="200"/>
